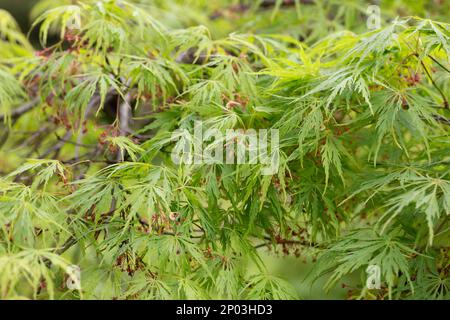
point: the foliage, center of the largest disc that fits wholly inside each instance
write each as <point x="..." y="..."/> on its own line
<point x="363" y="118"/>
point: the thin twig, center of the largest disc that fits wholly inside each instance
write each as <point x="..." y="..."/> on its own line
<point x="16" y="113"/>
<point x="434" y="83"/>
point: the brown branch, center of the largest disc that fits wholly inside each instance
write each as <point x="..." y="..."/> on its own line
<point x="434" y="83"/>
<point x="284" y="3"/>
<point x="18" y="112"/>
<point x="441" y="119"/>
<point x="438" y="63"/>
<point x="263" y="5"/>
<point x="66" y="246"/>
<point x="287" y="242"/>
<point x="124" y="122"/>
<point x="94" y="101"/>
<point x="15" y="114"/>
<point x="73" y="142"/>
<point x="75" y="162"/>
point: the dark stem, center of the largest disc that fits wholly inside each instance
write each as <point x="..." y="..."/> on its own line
<point x="18" y="112"/>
